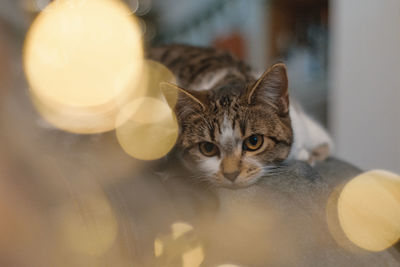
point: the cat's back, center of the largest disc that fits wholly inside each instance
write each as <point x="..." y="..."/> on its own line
<point x="191" y="64"/>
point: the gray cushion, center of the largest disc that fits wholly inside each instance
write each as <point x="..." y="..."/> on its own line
<point x="287" y="219"/>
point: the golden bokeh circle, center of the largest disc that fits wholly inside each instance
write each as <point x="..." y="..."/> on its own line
<point x="147" y="129"/>
<point x="88" y="120"/>
<point x="369" y="210"/>
<point x="83" y="57"/>
<point x="154" y="74"/>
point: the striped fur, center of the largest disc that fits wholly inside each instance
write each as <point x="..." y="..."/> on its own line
<point x="224" y="104"/>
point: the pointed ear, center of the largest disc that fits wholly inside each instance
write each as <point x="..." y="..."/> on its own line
<point x="172" y="92"/>
<point x="272" y="88"/>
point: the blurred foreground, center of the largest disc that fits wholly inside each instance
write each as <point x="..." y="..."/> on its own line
<point x="68" y="199"/>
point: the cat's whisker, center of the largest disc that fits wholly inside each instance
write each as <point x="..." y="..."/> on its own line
<point x="199" y="178"/>
<point x="247" y="123"/>
<point x="274" y="170"/>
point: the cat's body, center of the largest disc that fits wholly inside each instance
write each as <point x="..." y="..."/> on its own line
<point x="234" y="128"/>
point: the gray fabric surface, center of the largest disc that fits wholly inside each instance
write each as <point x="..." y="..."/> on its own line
<point x="287" y="219"/>
<point x="301" y="203"/>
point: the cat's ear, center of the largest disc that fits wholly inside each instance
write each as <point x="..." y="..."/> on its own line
<point x="172" y="92"/>
<point x="272" y="88"/>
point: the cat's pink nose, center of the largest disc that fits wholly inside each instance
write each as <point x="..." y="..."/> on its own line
<point x="231" y="176"/>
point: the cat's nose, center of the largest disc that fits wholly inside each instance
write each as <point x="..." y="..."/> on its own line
<point x="231" y="176"/>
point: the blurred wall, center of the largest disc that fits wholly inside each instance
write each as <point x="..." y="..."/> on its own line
<point x="206" y="21"/>
<point x="365" y="82"/>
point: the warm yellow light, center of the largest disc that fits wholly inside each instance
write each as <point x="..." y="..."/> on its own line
<point x="179" y="229"/>
<point x="88" y="225"/>
<point x="369" y="210"/>
<point x="148" y="128"/>
<point x="82" y="59"/>
<point x="193" y="258"/>
<point x="77" y="120"/>
<point x="228" y="265"/>
<point x="158" y="247"/>
<point x="179" y="244"/>
<point x="154" y="74"/>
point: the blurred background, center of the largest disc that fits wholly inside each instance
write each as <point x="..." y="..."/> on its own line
<point x="342" y="57"/>
<point x="344" y="64"/>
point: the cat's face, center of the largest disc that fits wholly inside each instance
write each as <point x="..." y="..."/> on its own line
<point x="230" y="136"/>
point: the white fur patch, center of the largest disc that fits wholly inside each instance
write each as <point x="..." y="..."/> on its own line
<point x="227" y="132"/>
<point x="210" y="165"/>
<point x="308" y="134"/>
<point x="210" y="80"/>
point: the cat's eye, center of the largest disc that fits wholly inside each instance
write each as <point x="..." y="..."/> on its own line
<point x="208" y="149"/>
<point x="253" y="142"/>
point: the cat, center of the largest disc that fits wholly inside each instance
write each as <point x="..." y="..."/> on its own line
<point x="234" y="128"/>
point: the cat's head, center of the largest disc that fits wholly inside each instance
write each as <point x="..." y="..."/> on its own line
<point x="235" y="132"/>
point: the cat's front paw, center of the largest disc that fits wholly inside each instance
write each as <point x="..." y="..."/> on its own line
<point x="319" y="153"/>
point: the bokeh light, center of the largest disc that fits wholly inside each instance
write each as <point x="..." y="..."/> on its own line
<point x="154" y="76"/>
<point x="82" y="59"/>
<point x="149" y="129"/>
<point x="193" y="258"/>
<point x="179" y="247"/>
<point x="158" y="247"/>
<point x="133" y="5"/>
<point x="332" y="219"/>
<point x="369" y="210"/>
<point x="179" y="229"/>
<point x="87" y="224"/>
